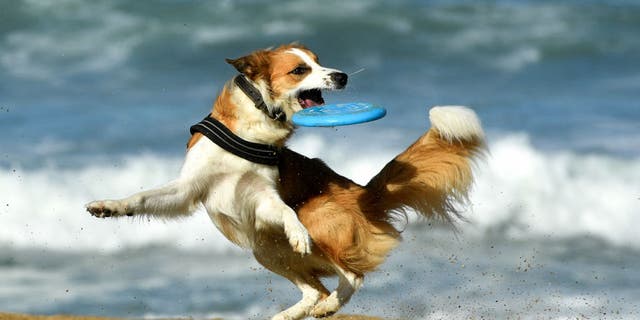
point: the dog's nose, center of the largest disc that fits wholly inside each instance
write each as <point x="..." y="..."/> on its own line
<point x="340" y="79"/>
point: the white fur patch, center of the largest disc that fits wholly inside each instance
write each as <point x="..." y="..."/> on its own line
<point x="456" y="123"/>
<point x="320" y="77"/>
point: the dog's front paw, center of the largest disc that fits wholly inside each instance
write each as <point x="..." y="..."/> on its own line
<point x="107" y="208"/>
<point x="326" y="307"/>
<point x="298" y="237"/>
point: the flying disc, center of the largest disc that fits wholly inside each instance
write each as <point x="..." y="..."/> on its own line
<point x="342" y="114"/>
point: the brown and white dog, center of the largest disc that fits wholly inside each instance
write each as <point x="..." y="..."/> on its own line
<point x="302" y="220"/>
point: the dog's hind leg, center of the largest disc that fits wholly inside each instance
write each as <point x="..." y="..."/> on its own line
<point x="348" y="284"/>
<point x="282" y="261"/>
<point x="310" y="296"/>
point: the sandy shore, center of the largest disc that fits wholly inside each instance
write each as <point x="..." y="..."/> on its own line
<point x="16" y="316"/>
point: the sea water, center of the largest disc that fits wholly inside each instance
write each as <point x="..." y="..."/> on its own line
<point x="96" y="99"/>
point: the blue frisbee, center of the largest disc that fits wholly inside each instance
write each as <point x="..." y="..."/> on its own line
<point x="342" y="114"/>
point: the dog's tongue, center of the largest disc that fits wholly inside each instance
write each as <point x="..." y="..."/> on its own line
<point x="307" y="103"/>
<point x="310" y="98"/>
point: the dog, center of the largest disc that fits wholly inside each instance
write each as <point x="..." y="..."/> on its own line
<point x="352" y="225"/>
<point x="241" y="195"/>
<point x="302" y="220"/>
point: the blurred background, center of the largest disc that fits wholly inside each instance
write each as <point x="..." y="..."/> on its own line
<point x="96" y="99"/>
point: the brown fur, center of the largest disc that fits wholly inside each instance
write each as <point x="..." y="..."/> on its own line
<point x="351" y="225"/>
<point x="224" y="109"/>
<point x="272" y="66"/>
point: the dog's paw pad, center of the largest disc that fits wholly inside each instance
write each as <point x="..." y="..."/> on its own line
<point x="326" y="307"/>
<point x="301" y="245"/>
<point x="299" y="239"/>
<point x="105" y="209"/>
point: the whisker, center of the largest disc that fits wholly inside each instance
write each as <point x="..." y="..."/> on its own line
<point x="357" y="71"/>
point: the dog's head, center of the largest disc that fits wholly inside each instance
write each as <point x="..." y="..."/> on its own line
<point x="289" y="77"/>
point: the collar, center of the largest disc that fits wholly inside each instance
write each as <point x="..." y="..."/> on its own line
<point x="227" y="140"/>
<point x="254" y="94"/>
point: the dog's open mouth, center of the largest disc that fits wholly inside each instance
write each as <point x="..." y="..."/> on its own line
<point x="310" y="98"/>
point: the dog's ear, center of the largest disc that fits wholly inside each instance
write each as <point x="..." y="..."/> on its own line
<point x="241" y="64"/>
<point x="252" y="65"/>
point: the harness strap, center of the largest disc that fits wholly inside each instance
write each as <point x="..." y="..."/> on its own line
<point x="227" y="140"/>
<point x="254" y="94"/>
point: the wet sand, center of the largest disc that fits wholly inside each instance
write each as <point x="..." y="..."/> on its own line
<point x="17" y="316"/>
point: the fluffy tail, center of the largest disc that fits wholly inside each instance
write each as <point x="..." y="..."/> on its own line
<point x="433" y="176"/>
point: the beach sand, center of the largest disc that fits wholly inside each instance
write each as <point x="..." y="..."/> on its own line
<point x="17" y="316"/>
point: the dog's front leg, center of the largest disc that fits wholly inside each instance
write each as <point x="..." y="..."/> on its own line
<point x="272" y="210"/>
<point x="175" y="199"/>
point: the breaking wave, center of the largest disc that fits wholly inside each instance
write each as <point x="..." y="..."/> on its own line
<point x="521" y="191"/>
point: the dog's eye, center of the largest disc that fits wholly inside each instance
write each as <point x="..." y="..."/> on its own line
<point x="300" y="70"/>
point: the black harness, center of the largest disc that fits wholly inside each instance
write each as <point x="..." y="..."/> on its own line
<point x="255" y="96"/>
<point x="227" y="140"/>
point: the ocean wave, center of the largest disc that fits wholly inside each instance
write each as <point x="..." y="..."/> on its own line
<point x="524" y="192"/>
<point x="59" y="51"/>
<point x="124" y="37"/>
<point x="44" y="208"/>
<point x="520" y="192"/>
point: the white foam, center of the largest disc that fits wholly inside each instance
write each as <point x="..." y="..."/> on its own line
<point x="520" y="190"/>
<point x="506" y="45"/>
<point x="524" y="191"/>
<point x="106" y="42"/>
<point x="284" y="27"/>
<point x="562" y="194"/>
<point x="518" y="58"/>
<point x="45" y="208"/>
<point x="207" y="35"/>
